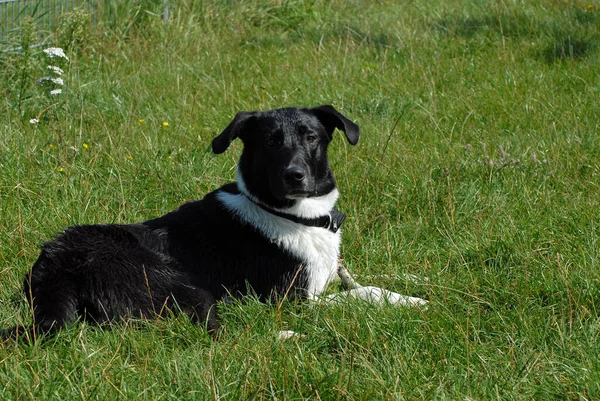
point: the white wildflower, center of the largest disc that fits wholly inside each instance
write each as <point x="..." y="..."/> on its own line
<point x="56" y="70"/>
<point x="56" y="52"/>
<point x="54" y="80"/>
<point x="56" y="92"/>
<point x="34" y="121"/>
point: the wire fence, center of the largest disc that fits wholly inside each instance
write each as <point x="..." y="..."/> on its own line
<point x="46" y="16"/>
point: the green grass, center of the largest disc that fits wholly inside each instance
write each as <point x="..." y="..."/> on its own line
<point x="478" y="169"/>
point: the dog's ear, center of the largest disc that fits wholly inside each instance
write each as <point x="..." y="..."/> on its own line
<point x="332" y="119"/>
<point x="242" y="122"/>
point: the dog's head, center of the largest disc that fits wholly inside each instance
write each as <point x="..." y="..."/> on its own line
<point x="285" y="151"/>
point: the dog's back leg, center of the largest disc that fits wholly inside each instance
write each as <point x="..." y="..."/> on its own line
<point x="199" y="305"/>
<point x="51" y="295"/>
<point x="53" y="306"/>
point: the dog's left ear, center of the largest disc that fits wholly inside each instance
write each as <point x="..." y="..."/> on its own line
<point x="332" y="119"/>
<point x="243" y="121"/>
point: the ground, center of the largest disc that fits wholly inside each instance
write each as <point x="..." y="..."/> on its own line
<point x="474" y="185"/>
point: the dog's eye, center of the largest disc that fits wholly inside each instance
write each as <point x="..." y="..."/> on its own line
<point x="311" y="138"/>
<point x="271" y="142"/>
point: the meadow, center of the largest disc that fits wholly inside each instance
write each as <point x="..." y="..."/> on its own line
<point x="475" y="185"/>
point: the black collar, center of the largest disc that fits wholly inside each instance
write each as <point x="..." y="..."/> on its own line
<point x="331" y="221"/>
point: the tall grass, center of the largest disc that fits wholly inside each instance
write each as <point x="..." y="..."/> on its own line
<point x="477" y="173"/>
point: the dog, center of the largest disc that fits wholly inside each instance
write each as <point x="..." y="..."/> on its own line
<point x="273" y="233"/>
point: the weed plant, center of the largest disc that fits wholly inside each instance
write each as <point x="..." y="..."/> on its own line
<point x="475" y="185"/>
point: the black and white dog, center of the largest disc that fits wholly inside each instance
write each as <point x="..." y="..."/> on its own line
<point x="274" y="232"/>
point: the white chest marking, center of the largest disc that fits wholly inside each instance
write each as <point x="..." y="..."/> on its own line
<point x="317" y="248"/>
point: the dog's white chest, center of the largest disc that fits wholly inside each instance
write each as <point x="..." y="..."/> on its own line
<point x="317" y="248"/>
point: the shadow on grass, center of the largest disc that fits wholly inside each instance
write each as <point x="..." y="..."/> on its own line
<point x="568" y="48"/>
<point x="508" y="25"/>
<point x="570" y="34"/>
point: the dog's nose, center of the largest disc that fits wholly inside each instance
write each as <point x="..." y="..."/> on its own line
<point x="294" y="173"/>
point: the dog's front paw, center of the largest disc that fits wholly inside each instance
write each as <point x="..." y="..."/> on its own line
<point x="376" y="295"/>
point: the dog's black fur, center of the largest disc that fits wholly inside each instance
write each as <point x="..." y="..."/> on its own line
<point x="186" y="259"/>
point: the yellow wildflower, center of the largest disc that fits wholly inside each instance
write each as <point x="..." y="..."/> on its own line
<point x="165" y="124"/>
<point x="86" y="146"/>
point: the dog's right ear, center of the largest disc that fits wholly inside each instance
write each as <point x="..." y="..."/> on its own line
<point x="243" y="121"/>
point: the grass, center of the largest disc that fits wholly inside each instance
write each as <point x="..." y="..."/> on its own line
<point x="478" y="172"/>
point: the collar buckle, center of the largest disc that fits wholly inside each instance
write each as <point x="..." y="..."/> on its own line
<point x="330" y="224"/>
